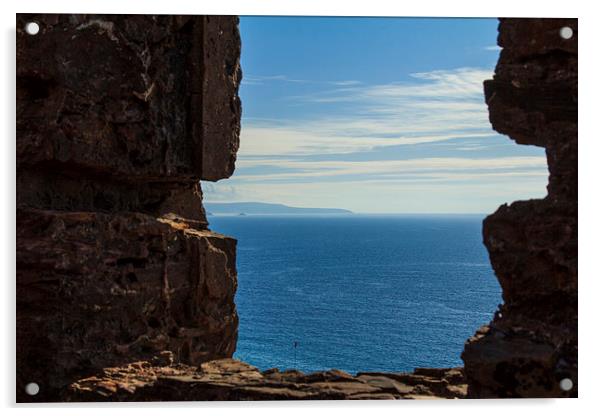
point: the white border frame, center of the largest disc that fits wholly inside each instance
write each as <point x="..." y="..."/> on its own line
<point x="590" y="154"/>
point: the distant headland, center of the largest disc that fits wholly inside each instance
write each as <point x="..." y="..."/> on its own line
<point x="261" y="208"/>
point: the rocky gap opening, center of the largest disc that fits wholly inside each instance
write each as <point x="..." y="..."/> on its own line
<point x="289" y="345"/>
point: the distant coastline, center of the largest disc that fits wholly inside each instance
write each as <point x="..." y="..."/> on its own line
<point x="261" y="208"/>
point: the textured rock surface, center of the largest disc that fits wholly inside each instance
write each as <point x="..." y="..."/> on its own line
<point x="138" y="98"/>
<point x="229" y="379"/>
<point x="532" y="342"/>
<point x="118" y="117"/>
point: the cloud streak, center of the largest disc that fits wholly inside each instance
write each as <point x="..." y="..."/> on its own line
<point x="263" y="79"/>
<point x="442" y="167"/>
<point x="350" y="123"/>
<point x="437" y="106"/>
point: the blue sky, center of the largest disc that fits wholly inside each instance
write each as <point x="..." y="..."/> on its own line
<point x="375" y="115"/>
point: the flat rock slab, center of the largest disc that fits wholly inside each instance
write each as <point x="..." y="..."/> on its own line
<point x="229" y="379"/>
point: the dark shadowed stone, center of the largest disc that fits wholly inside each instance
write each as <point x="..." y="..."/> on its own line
<point x="532" y="342"/>
<point x="118" y="118"/>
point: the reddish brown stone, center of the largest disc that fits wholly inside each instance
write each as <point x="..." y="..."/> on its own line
<point x="221" y="119"/>
<point x="532" y="342"/>
<point x="95" y="290"/>
<point x="141" y="98"/>
<point x="234" y="380"/>
<point x="118" y="118"/>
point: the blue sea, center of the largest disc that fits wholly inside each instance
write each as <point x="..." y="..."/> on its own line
<point x="359" y="292"/>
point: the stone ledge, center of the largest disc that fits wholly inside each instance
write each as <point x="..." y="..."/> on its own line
<point x="229" y="379"/>
<point x="99" y="290"/>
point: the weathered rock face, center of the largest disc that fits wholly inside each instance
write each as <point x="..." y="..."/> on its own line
<point x="118" y="118"/>
<point x="137" y="98"/>
<point x="123" y="293"/>
<point x="532" y="342"/>
<point x="229" y="379"/>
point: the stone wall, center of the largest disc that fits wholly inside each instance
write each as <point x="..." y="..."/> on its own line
<point x="531" y="344"/>
<point x="118" y="118"/>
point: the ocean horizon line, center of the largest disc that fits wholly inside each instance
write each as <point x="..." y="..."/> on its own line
<point x="350" y="213"/>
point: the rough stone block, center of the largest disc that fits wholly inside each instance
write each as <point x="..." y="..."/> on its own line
<point x="531" y="344"/>
<point x="95" y="290"/>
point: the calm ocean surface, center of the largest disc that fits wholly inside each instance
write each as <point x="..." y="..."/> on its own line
<point x="359" y="292"/>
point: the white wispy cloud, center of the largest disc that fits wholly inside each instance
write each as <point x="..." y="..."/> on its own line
<point x="263" y="79"/>
<point x="440" y="168"/>
<point x="439" y="105"/>
<point x="348" y="82"/>
<point x="328" y="137"/>
<point x="281" y="160"/>
<point x="439" y="85"/>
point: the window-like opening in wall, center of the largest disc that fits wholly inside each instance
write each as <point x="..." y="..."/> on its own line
<point x="379" y="129"/>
